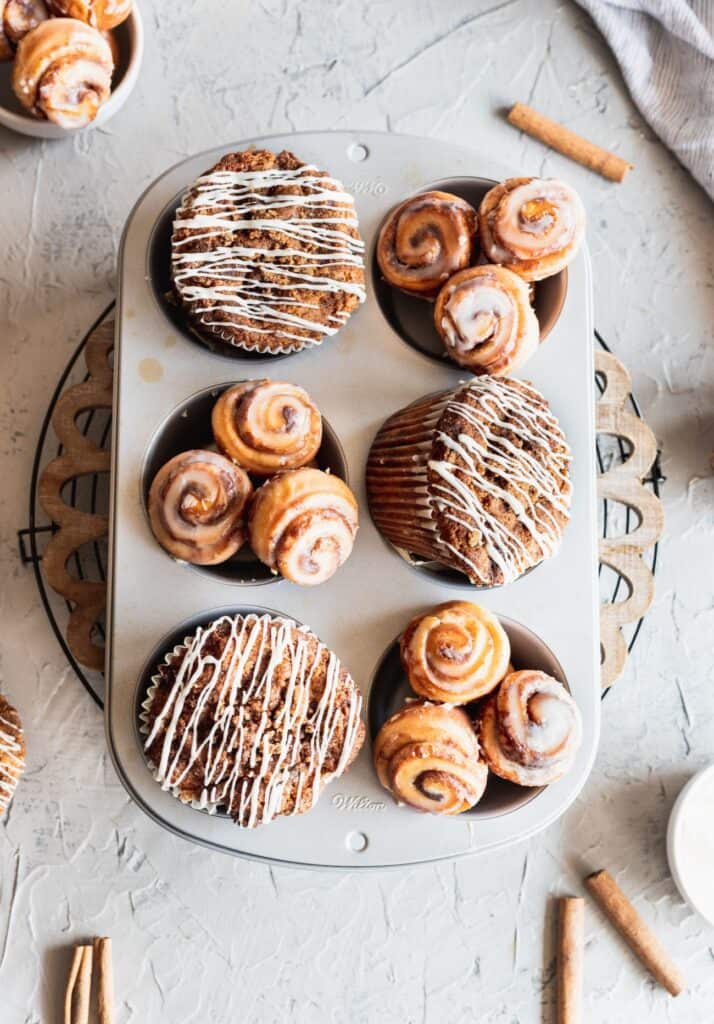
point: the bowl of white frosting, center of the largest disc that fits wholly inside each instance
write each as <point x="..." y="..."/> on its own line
<point x="690" y="843"/>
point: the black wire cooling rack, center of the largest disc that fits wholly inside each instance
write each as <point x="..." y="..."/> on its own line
<point x="91" y="493"/>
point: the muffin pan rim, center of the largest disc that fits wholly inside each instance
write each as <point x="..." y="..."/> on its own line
<point x="313" y="147"/>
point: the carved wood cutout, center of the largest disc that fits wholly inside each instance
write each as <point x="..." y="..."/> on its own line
<point x="80" y="455"/>
<point x="623" y="483"/>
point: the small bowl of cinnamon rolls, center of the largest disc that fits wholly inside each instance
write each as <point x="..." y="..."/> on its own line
<point x="247" y="482"/>
<point x="491" y="259"/>
<point x="470" y="711"/>
<point x="66" y="65"/>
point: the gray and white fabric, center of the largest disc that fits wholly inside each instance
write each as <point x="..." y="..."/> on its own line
<point x="665" y="49"/>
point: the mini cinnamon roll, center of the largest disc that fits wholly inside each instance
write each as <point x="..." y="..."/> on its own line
<point x="101" y="14"/>
<point x="267" y="426"/>
<point x="17" y="18"/>
<point x="533" y="226"/>
<point x="425" y="240"/>
<point x="303" y="524"/>
<point x="427" y="756"/>
<point x="12" y="752"/>
<point x="63" y="72"/>
<point x="197" y="507"/>
<point x="456" y="653"/>
<point x="530" y="729"/>
<point x="486" y="321"/>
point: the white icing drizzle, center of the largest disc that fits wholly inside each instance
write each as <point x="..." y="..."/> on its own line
<point x="12" y="762"/>
<point x="249" y="301"/>
<point x="491" y="453"/>
<point x="236" y="765"/>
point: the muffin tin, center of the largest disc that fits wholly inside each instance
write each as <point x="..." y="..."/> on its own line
<point x="357" y="379"/>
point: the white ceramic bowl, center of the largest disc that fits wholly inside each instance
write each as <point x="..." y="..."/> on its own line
<point x="130" y="37"/>
<point x="684" y="836"/>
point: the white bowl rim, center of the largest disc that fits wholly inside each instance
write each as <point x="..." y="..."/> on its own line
<point x="25" y="123"/>
<point x="673" y="837"/>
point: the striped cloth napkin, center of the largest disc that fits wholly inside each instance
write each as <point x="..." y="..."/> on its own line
<point x="665" y="49"/>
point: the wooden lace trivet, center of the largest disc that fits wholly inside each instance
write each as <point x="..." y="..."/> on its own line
<point x="80" y="455"/>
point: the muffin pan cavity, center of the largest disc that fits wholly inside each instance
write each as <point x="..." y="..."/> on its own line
<point x="412" y="318"/>
<point x="189" y="426"/>
<point x="390" y="689"/>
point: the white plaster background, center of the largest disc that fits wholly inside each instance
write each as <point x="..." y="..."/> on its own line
<point x="201" y="937"/>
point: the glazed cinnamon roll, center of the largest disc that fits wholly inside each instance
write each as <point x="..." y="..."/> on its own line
<point x="101" y="14"/>
<point x="485" y="319"/>
<point x="17" y="18"/>
<point x="63" y="72"/>
<point x="266" y="426"/>
<point x="427" y="756"/>
<point x="533" y="226"/>
<point x="303" y="524"/>
<point x="530" y="729"/>
<point x="197" y="507"/>
<point x="425" y="240"/>
<point x="456" y="653"/>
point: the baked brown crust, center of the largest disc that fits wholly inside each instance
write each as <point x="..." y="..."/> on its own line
<point x="12" y="752"/>
<point x="537" y="479"/>
<point x="283" y="712"/>
<point x="306" y="275"/>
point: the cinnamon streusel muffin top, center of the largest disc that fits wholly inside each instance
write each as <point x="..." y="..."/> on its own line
<point x="266" y="253"/>
<point x="498" y="479"/>
<point x="12" y="752"/>
<point x="254" y="715"/>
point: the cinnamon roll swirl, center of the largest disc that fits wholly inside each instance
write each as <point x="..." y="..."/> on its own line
<point x="530" y="729"/>
<point x="266" y="426"/>
<point x="17" y="18"/>
<point x="425" y="240"/>
<point x="63" y="72"/>
<point x="485" y="319"/>
<point x="427" y="756"/>
<point x="303" y="524"/>
<point x="456" y="653"/>
<point x="197" y="507"/>
<point x="101" y="14"/>
<point x="533" y="226"/>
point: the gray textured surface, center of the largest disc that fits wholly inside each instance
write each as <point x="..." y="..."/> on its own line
<point x="200" y="937"/>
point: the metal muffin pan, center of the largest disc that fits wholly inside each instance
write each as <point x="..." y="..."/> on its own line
<point x="357" y="379"/>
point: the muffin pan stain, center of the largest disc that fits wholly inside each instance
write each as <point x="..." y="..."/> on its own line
<point x="358" y="612"/>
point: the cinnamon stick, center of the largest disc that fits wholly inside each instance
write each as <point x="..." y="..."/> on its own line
<point x="639" y="937"/>
<point x="79" y="985"/>
<point x="571" y="922"/>
<point x="105" y="980"/>
<point x="555" y="135"/>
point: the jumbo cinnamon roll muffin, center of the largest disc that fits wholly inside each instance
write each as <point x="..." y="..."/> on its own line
<point x="63" y="72"/>
<point x="266" y="253"/>
<point x="485" y="319"/>
<point x="267" y="426"/>
<point x="530" y="729"/>
<point x="12" y="752"/>
<point x="475" y="478"/>
<point x="455" y="653"/>
<point x="303" y="524"/>
<point x="425" y="240"/>
<point x="253" y="715"/>
<point x="428" y="757"/>
<point x="197" y="505"/>
<point x="532" y="226"/>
